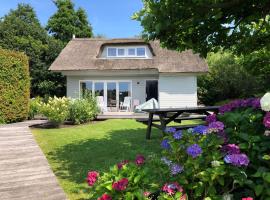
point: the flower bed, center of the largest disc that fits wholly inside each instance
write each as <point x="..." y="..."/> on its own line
<point x="229" y="158"/>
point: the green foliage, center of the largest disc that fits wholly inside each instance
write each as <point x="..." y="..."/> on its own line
<point x="245" y="128"/>
<point x="34" y="107"/>
<point x="227" y="79"/>
<point x="257" y="64"/>
<point x="83" y="110"/>
<point x="201" y="178"/>
<point x="20" y="30"/>
<point x="14" y="86"/>
<point x="207" y="25"/>
<point x="142" y="181"/>
<point x="67" y="21"/>
<point x="73" y="151"/>
<point x="56" y="110"/>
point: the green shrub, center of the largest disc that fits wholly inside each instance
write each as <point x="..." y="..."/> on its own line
<point x="34" y="107"/>
<point x="227" y="79"/>
<point x="56" y="110"/>
<point x="14" y="86"/>
<point x="82" y="110"/>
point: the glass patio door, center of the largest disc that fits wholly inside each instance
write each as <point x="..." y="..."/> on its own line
<point x="124" y="92"/>
<point x="112" y="96"/>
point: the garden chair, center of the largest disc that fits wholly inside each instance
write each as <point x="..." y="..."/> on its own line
<point x="126" y="104"/>
<point x="101" y="104"/>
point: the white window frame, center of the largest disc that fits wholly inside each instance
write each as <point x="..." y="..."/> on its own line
<point x="105" y="89"/>
<point x="126" y="55"/>
<point x="108" y="52"/>
<point x="117" y="52"/>
<point x="144" y="52"/>
<point x="135" y="51"/>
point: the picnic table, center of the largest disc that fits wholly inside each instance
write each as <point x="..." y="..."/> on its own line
<point x="167" y="115"/>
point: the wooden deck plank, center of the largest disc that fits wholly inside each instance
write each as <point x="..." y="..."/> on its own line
<point x="24" y="170"/>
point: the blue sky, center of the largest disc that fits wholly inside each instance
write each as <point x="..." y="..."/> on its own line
<point x="111" y="18"/>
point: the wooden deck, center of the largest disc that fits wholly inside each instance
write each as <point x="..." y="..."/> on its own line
<point x="24" y="171"/>
<point x="122" y="115"/>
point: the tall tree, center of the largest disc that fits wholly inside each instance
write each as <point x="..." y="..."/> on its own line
<point x="207" y="25"/>
<point x="20" y="30"/>
<point x="67" y="21"/>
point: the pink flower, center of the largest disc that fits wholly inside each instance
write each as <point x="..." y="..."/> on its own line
<point x="183" y="197"/>
<point x="172" y="188"/>
<point x="105" y="197"/>
<point x="121" y="164"/>
<point x="139" y="160"/>
<point x="120" y="185"/>
<point x="247" y="198"/>
<point x="92" y="177"/>
<point x="266" y="120"/>
<point x="146" y="194"/>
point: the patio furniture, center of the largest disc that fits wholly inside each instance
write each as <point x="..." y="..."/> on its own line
<point x="136" y="102"/>
<point x="167" y="115"/>
<point x="101" y="104"/>
<point x="126" y="105"/>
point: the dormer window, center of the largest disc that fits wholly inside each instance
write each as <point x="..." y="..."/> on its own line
<point x="111" y="52"/>
<point x="141" y="52"/>
<point x="131" y="52"/>
<point x="120" y="52"/>
<point x="125" y="52"/>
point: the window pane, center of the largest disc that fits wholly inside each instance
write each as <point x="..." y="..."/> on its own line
<point x="111" y="94"/>
<point x="140" y="51"/>
<point x="121" y="52"/>
<point x="99" y="89"/>
<point x="111" y="51"/>
<point x="86" y="88"/>
<point x="124" y="91"/>
<point x="131" y="52"/>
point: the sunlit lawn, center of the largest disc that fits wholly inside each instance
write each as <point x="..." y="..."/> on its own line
<point x="73" y="151"/>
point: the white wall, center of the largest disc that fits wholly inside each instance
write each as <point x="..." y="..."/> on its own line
<point x="177" y="91"/>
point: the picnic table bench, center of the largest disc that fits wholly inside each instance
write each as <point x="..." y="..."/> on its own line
<point x="167" y="115"/>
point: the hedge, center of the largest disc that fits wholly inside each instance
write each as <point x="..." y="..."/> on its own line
<point x="14" y="86"/>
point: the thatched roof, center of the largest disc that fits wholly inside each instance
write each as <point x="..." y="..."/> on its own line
<point x="83" y="54"/>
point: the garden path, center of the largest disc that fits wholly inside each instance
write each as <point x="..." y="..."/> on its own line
<point x="24" y="170"/>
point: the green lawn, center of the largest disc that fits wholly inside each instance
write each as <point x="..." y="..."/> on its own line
<point x="71" y="152"/>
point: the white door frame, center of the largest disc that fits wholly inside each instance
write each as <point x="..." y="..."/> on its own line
<point x="105" y="82"/>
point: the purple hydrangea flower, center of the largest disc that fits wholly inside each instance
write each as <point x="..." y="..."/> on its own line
<point x="266" y="120"/>
<point x="256" y="103"/>
<point x="178" y="135"/>
<point x="224" y="136"/>
<point x="211" y="118"/>
<point x="225" y="108"/>
<point x="215" y="127"/>
<point x="201" y="129"/>
<point x="230" y="149"/>
<point x="237" y="159"/>
<point x="176" y="169"/>
<point x="170" y="130"/>
<point x="251" y="102"/>
<point x="194" y="150"/>
<point x="166" y="161"/>
<point x="165" y="144"/>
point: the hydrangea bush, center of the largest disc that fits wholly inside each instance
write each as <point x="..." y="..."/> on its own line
<point x="134" y="180"/>
<point x="227" y="158"/>
<point x="56" y="110"/>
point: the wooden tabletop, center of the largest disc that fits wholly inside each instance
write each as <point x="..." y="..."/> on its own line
<point x="183" y="109"/>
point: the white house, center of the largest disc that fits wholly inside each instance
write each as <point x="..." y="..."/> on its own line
<point x="118" y="68"/>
